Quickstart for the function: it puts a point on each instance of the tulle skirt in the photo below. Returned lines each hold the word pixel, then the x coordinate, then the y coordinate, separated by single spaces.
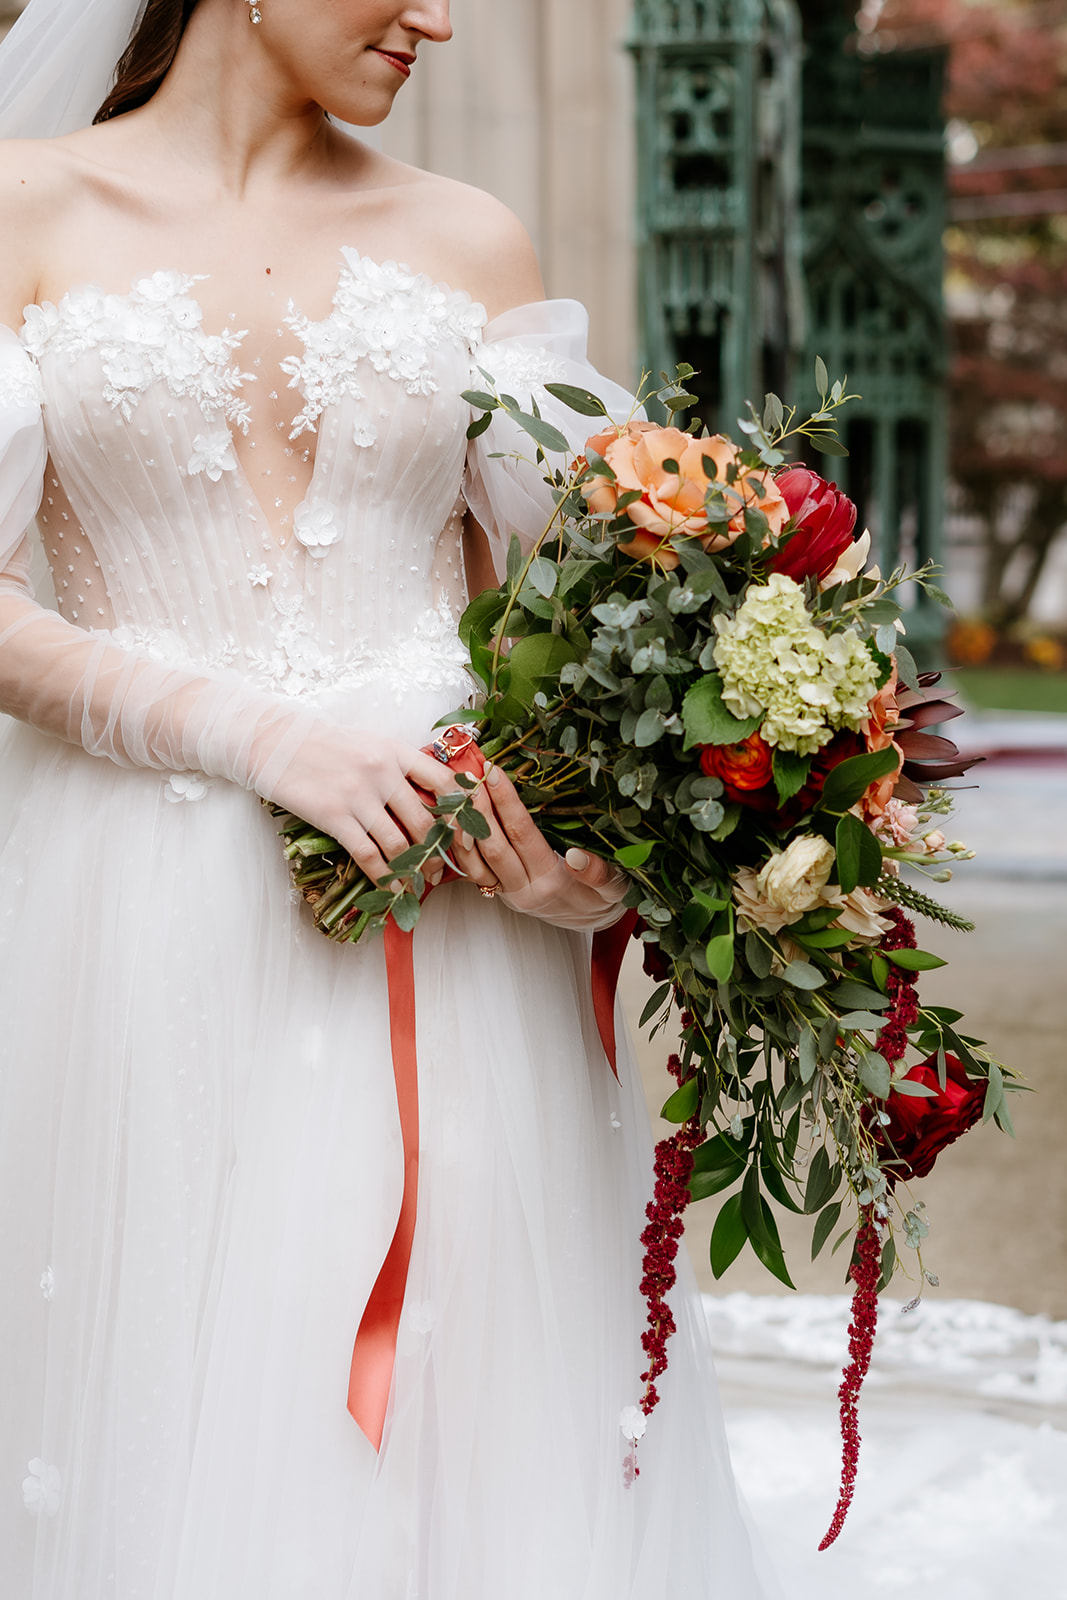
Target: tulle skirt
pixel 200 1172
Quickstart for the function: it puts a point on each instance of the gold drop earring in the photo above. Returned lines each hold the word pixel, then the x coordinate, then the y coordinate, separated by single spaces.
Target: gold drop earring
pixel 254 13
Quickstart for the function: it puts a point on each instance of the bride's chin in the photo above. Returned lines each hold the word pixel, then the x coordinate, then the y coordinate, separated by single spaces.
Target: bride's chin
pixel 368 112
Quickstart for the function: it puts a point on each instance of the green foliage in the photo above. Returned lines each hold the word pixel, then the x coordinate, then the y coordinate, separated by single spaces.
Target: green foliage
pixel 598 686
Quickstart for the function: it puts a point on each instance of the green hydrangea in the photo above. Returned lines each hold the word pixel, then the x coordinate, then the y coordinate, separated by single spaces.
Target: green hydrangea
pixel 774 659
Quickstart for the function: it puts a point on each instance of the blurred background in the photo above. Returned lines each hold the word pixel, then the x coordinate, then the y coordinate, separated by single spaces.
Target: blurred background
pixel 744 185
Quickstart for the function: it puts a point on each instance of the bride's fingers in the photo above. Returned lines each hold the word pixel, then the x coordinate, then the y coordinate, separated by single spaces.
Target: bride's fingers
pixel 431 774
pixel 604 877
pixel 515 837
pixel 361 847
pixel 411 812
pixel 468 855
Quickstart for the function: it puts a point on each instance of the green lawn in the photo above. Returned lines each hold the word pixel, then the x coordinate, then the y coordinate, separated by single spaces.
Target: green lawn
pixel 1012 689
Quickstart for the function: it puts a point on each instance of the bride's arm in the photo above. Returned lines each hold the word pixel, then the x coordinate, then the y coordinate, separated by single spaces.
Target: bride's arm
pixel 524 348
pixel 120 704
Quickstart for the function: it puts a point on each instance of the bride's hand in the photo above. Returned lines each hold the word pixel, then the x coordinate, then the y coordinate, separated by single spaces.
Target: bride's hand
pixel 578 891
pixel 359 789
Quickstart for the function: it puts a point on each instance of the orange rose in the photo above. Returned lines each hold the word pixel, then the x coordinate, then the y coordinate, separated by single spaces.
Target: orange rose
pixel 672 502
pixel 743 767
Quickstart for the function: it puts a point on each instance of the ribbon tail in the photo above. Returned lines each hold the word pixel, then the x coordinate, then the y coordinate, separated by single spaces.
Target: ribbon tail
pixel 374 1354
pixel 609 947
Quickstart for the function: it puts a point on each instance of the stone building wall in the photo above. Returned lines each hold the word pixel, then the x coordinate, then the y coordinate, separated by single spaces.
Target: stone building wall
pixel 533 101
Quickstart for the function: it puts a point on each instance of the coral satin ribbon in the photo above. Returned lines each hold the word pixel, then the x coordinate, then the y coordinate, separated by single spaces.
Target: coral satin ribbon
pixel 374 1354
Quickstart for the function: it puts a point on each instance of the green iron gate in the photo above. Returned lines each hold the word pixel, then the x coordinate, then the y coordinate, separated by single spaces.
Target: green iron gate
pixel 783 216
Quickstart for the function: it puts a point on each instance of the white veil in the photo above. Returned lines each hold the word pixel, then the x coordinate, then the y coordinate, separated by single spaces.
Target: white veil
pixel 57 63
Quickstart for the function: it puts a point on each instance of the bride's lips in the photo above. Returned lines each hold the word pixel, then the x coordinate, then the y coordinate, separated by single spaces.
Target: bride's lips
pixel 398 59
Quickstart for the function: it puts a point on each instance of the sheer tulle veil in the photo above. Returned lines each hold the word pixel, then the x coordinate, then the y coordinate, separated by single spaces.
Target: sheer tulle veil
pixel 57 63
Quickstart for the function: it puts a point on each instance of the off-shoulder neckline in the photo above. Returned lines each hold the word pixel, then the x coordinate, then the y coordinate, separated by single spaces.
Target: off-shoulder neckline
pixel 422 281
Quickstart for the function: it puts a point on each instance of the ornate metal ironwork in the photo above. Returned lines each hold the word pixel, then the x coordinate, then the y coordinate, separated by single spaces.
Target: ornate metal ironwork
pixel 731 180
pixel 718 153
pixel 873 214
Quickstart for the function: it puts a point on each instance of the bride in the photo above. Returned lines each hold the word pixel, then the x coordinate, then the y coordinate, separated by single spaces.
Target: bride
pixel 238 419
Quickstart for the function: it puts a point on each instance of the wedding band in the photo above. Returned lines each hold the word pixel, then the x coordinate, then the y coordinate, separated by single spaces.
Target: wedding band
pixel 489 890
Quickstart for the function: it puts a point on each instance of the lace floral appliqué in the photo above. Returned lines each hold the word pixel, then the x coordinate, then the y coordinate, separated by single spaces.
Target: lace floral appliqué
pixel 186 786
pixel 383 315
pixel 20 382
pixel 152 334
pixel 42 1490
pixel 213 454
pixel 431 657
pixel 519 367
pixel 315 525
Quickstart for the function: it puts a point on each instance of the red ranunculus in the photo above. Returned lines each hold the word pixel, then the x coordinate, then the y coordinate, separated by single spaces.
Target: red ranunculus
pixel 824 520
pixel 744 766
pixel 921 1127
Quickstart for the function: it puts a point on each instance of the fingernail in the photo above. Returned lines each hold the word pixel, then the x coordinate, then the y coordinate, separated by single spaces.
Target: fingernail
pixel 466 842
pixel 396 886
pixel 434 878
pixel 577 860
pixel 493 775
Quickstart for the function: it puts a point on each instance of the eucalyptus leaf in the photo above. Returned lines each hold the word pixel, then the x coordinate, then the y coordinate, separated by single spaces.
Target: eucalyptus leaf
pixel 406 912
pixel 875 1074
pixel 827 444
pixel 907 671
pixel 825 1223
pixel 480 425
pixel 479 398
pixel 853 996
pixel 650 727
pixel 581 400
pixel 543 433
pixel 543 575
pixel 802 975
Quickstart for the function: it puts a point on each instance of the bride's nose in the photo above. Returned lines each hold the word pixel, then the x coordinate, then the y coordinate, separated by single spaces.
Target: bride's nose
pixel 430 18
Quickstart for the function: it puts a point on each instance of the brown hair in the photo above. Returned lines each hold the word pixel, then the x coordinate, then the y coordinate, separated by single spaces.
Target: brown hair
pixel 148 57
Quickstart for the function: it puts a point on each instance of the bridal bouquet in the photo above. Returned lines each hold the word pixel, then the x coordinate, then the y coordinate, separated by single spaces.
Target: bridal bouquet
pixel 692 673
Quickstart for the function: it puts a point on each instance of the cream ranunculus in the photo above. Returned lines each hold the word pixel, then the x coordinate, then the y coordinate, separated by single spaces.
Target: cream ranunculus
pixel 793 879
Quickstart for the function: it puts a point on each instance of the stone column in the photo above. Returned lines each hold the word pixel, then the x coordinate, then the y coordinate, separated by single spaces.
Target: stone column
pixel 533 101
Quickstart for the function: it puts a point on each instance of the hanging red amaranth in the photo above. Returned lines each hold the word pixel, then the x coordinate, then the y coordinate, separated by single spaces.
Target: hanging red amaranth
pixel 903 1013
pixel 892 1042
pixel 865 1272
pixel 674 1168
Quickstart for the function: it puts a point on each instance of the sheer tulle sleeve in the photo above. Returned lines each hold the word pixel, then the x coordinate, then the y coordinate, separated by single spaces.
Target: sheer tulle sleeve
pixel 85 689
pixel 522 351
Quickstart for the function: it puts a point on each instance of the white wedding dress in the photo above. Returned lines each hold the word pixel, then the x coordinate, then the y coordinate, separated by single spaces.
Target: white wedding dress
pixel 200 1160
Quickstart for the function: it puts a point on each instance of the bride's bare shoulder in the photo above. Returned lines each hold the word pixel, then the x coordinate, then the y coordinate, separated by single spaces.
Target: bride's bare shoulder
pixel 40 180
pixel 476 242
